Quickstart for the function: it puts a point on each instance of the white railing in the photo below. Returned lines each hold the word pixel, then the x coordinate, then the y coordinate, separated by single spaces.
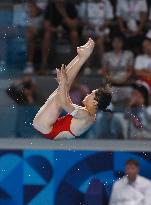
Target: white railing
pixel 78 144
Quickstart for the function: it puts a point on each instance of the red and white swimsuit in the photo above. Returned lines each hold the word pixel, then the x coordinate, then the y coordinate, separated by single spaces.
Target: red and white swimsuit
pixel 62 124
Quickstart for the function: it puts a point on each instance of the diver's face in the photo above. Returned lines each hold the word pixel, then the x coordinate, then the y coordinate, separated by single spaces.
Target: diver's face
pixel 90 98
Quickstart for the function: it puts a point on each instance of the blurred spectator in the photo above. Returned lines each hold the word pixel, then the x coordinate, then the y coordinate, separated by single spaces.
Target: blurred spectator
pixel 132 189
pixel 96 18
pixel 143 62
pixel 136 114
pixel 34 27
pixel 118 63
pixel 149 18
pixel 60 16
pixel 108 126
pixel 132 16
pixel 121 96
pixel 24 92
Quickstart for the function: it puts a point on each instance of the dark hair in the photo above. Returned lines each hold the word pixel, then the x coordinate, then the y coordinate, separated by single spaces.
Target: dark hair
pixel 103 96
pixel 119 37
pixel 132 162
pixel 143 90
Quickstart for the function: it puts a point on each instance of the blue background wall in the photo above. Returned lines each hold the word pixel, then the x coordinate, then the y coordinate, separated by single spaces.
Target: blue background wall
pixel 41 177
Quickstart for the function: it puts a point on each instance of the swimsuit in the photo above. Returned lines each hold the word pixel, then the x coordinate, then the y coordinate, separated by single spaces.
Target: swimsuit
pixel 61 124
